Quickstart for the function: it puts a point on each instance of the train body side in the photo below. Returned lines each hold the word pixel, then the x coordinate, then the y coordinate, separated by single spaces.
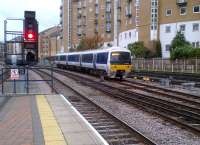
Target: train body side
pixel 104 62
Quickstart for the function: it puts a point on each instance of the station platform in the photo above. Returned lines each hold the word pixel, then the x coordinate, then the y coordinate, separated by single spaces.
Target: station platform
pixel 44 120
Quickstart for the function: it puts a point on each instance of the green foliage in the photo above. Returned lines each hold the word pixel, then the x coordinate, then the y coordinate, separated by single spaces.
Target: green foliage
pixel 182 52
pixel 195 52
pixel 181 49
pixel 82 45
pixel 137 49
pixel 89 43
pixel 179 41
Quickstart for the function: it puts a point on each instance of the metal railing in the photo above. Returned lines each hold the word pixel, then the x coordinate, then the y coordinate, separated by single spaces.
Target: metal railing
pixel 11 86
pixel 167 65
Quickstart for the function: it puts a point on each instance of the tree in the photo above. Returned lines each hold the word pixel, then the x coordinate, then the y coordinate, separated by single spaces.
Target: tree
pixel 89 43
pixel 179 41
pixel 180 48
pixel 137 49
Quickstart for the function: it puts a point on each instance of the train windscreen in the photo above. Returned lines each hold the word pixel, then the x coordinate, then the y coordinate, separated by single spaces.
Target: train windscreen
pixel 120 58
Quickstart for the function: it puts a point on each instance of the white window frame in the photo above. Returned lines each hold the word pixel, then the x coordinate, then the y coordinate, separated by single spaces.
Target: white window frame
pixel 194 7
pixel 185 11
pixel 166 14
pixel 167 47
pixel 197 44
pixel 184 27
pixel 193 27
pixel 168 29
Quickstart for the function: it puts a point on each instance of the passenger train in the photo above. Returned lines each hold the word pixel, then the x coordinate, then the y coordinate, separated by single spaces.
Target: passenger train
pixel 114 62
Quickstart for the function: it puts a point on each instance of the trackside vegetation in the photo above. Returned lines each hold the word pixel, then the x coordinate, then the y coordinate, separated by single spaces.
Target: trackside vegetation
pixel 182 49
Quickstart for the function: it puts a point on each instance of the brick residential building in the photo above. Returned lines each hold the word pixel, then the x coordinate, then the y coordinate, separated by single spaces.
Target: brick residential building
pixel 49 42
pixel 121 22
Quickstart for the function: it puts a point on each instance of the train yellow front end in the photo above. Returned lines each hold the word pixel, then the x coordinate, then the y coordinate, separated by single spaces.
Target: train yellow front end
pixel 120 70
pixel 120 64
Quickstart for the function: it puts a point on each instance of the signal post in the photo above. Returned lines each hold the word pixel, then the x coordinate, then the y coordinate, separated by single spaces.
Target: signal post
pixel 30 38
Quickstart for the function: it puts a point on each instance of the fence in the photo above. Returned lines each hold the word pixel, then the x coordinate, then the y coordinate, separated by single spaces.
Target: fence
pixel 24 84
pixel 167 65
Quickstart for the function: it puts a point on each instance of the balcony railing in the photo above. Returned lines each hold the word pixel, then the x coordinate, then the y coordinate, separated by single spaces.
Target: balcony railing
pixel 128 12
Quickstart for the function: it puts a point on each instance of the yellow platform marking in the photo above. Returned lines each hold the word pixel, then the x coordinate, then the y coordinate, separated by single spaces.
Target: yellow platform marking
pixel 51 130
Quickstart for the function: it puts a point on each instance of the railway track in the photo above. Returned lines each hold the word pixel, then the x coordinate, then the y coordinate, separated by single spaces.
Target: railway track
pixel 114 131
pixel 185 98
pixel 176 78
pixel 183 115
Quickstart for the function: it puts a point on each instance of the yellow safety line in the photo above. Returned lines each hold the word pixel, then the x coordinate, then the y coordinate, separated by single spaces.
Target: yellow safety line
pixel 51 130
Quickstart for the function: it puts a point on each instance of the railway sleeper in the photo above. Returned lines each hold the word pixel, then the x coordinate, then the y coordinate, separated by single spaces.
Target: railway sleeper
pixel 94 123
pixel 101 127
pixel 112 131
pixel 118 136
pixel 98 120
pixel 126 141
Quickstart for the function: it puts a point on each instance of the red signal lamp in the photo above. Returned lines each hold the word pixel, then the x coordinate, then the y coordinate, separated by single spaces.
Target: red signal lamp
pixel 30 36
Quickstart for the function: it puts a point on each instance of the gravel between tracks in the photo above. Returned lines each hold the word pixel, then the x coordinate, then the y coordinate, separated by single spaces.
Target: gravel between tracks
pixel 164 133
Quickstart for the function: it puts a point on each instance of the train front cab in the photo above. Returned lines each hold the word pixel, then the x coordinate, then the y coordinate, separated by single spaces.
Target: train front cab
pixel 119 64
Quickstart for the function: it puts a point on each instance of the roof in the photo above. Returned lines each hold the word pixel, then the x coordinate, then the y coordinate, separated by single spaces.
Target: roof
pixel 114 48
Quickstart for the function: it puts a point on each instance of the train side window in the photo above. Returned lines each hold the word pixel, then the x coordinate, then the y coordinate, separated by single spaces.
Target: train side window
pixel 102 58
pixel 63 58
pixel 87 58
pixel 73 58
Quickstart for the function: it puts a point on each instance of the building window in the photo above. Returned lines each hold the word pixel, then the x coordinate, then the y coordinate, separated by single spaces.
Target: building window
pixel 167 29
pixel 196 9
pixel 182 28
pixel 183 11
pixel 196 27
pixel 193 44
pixel 167 47
pixel 197 45
pixel 108 27
pixel 168 12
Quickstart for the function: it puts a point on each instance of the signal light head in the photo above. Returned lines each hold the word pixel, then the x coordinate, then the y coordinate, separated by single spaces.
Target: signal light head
pixel 30 36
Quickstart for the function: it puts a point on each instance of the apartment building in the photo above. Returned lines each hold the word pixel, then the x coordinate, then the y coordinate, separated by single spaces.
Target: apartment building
pixel 86 18
pixel 1 51
pixel 180 15
pixel 121 22
pixel 49 42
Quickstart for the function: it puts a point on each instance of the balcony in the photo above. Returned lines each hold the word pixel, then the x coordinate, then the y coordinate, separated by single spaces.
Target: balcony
pixel 96 2
pixel 79 15
pixel 96 21
pixel 119 4
pixel 108 10
pixel 118 17
pixel 181 3
pixel 128 12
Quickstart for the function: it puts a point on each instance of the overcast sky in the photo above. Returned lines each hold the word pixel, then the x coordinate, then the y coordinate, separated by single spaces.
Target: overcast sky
pixel 47 12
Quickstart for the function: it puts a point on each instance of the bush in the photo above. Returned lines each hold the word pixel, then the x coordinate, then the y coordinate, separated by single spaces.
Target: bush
pixel 182 49
pixel 137 49
pixel 195 52
pixel 179 41
pixel 89 43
